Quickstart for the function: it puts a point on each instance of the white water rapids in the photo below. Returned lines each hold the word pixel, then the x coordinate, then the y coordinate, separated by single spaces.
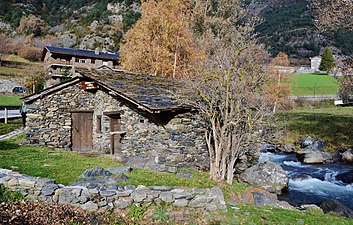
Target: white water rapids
pixel 312 184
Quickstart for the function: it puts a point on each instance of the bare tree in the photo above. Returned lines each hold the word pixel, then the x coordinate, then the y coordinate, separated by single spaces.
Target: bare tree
pixel 333 14
pixel 229 94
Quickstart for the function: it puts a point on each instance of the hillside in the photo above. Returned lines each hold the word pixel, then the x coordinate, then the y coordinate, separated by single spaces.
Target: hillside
pixel 287 25
pixel 83 24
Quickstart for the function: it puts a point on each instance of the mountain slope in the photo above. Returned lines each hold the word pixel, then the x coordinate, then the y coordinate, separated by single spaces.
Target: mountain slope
pixel 287 25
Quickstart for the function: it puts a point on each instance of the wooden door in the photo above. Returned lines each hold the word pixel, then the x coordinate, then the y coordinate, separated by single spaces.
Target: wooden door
pixel 115 135
pixel 82 127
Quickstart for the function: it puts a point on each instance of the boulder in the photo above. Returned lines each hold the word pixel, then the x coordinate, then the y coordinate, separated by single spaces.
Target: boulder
pixel 346 177
pixel 200 201
pixel 96 172
pixel 268 175
pixel 267 147
pixel 120 178
pixel 90 206
pixel 123 203
pixel 167 197
pixel 260 197
pixel 313 157
pixel 180 202
pixel 119 170
pixel 347 156
pixel 306 142
pixel 49 189
pixel 318 145
pixel 335 207
pixel 287 148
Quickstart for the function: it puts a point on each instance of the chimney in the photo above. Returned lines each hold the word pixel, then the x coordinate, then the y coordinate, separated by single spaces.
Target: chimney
pixel 96 51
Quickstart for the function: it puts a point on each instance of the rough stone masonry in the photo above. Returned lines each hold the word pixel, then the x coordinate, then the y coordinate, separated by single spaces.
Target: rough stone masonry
pixel 104 194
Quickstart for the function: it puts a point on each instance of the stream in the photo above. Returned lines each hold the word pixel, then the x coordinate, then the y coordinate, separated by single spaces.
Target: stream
pixel 312 184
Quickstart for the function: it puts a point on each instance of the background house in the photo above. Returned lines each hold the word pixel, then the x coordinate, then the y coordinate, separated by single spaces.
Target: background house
pixel 63 62
pixel 134 117
pixel 312 68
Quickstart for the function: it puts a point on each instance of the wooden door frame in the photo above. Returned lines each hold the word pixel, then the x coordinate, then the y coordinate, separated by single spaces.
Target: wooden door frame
pixel 89 130
pixel 114 133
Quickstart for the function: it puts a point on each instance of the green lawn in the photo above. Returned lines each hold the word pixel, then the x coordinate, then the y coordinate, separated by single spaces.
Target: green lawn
pixel 10 101
pixel 332 124
pixel 63 166
pixel 313 84
pixel 10 126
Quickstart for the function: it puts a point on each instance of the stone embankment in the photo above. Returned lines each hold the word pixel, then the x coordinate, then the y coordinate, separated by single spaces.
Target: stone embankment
pixel 102 193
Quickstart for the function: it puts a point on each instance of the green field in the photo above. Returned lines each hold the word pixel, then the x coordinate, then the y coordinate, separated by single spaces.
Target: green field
pixel 332 124
pixel 10 101
pixel 313 84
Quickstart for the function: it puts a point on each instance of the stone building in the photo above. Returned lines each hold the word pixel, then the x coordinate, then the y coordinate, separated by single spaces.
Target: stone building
pixel 61 63
pixel 131 116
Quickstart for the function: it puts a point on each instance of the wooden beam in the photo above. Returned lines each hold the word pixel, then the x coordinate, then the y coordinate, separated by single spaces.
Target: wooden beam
pixel 79 111
pixel 114 113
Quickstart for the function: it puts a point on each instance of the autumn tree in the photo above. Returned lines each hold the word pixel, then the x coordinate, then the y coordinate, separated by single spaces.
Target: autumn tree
pixel 229 93
pixel 33 25
pixel 35 78
pixel 327 61
pixel 160 43
pixel 278 86
pixel 4 46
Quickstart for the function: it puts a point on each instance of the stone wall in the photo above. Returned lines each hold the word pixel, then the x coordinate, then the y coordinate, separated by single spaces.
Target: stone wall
pixel 147 142
pixel 109 196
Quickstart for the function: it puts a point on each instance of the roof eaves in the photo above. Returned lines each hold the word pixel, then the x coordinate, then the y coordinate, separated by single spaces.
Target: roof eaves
pixel 33 97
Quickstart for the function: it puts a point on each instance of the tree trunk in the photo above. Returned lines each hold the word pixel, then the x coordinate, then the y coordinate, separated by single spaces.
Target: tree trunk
pixel 175 64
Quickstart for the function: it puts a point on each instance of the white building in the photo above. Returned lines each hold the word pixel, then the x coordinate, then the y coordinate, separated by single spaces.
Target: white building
pixel 315 63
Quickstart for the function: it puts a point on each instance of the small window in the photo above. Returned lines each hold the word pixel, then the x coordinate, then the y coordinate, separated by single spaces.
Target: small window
pixel 82 61
pixel 77 60
pixel 142 120
pixel 99 124
pixel 93 61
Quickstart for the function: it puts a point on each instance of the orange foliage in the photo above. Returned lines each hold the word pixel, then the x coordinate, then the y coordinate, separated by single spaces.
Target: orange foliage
pixel 279 86
pixel 33 25
pixel 161 42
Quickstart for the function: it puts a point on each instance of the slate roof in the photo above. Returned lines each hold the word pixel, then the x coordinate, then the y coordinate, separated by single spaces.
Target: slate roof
pixel 152 93
pixel 149 93
pixel 109 55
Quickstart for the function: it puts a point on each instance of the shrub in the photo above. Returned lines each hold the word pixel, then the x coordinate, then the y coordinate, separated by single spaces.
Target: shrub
pixel 30 53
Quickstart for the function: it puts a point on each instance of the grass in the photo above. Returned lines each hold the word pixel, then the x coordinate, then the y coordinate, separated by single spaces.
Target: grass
pixel 10 101
pixel 332 124
pixel 63 166
pixel 15 58
pixel 313 84
pixel 249 214
pixel 16 67
pixel 10 71
pixel 11 126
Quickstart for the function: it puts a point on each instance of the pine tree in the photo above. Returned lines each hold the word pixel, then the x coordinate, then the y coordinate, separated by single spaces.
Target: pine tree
pixel 327 61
